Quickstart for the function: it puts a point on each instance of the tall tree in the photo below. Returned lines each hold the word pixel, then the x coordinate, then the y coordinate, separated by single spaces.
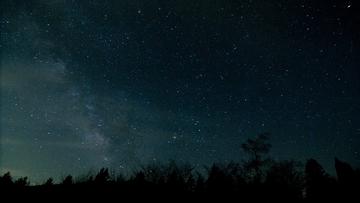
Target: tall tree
pixel 257 149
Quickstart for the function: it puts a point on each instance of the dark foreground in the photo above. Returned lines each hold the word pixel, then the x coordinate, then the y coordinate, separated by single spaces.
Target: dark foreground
pixel 278 181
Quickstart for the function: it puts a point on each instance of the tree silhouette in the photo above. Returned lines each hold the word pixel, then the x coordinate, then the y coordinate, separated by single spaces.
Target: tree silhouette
pixel 200 184
pixel 269 180
pixel 344 171
pixel 319 184
pixel 22 182
pixel 6 179
pixel 68 180
pixel 257 148
pixel 102 177
pixel 348 182
pixel 218 180
pixel 49 182
pixel 284 180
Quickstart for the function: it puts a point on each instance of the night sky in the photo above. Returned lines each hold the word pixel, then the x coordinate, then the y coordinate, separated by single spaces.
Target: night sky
pixel 121 83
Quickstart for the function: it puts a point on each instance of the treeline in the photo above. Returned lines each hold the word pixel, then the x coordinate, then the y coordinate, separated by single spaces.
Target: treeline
pixel 258 178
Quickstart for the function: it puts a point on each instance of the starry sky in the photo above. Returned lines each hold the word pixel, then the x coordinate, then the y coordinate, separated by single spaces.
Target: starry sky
pixel 121 83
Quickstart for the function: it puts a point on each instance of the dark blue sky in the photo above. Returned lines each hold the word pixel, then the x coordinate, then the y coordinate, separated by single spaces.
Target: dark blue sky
pixel 86 84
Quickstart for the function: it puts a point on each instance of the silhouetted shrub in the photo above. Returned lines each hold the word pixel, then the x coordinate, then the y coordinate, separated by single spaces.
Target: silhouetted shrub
pixel 68 180
pixel 49 182
pixel 22 182
pixel 6 180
